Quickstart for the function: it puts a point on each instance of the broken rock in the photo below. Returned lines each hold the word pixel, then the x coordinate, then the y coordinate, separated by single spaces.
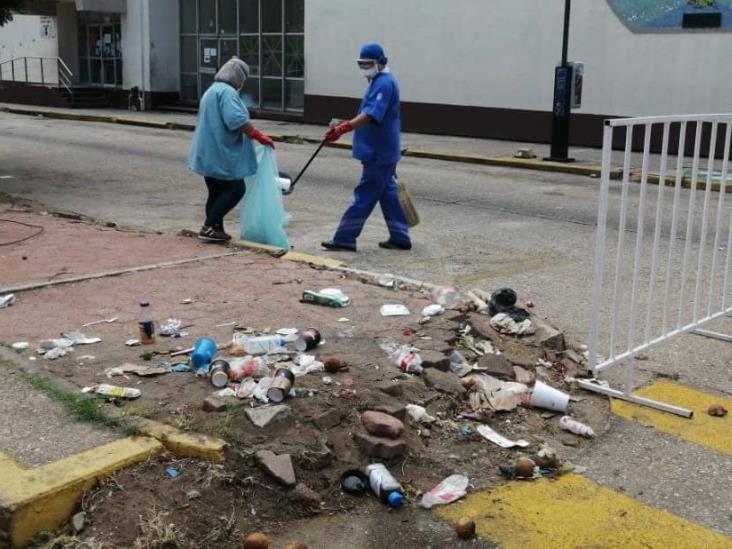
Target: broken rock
pixel 497 366
pixel 443 382
pixel 279 467
pixel 214 404
pixel 78 522
pixel 377 447
pixel 435 359
pixel 381 424
pixel 391 388
pixel 328 419
pixel 305 496
pixel 263 416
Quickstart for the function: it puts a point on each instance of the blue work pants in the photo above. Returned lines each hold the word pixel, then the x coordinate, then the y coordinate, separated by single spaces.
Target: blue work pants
pixel 377 185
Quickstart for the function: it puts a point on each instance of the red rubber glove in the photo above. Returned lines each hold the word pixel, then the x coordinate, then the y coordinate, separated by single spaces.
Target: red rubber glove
pixel 257 135
pixel 334 134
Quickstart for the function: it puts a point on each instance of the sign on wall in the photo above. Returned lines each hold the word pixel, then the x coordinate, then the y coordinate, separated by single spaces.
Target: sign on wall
pixel 48 27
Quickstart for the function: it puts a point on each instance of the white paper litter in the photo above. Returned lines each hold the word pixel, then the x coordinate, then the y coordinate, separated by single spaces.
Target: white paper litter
pixel 77 338
pixel 433 310
pixel 20 346
pixel 394 309
pixel 419 414
pixel 7 300
pixel 497 438
pixel 504 324
pixel 451 489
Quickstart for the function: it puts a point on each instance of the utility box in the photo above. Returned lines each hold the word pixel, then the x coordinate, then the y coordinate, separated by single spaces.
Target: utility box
pixel 578 71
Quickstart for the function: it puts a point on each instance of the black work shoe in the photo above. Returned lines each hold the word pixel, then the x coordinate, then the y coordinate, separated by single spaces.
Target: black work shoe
pixel 335 247
pixel 209 234
pixel 389 245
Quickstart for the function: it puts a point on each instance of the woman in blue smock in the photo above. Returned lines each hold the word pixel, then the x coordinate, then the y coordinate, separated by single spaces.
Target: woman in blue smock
pixel 376 145
pixel 222 150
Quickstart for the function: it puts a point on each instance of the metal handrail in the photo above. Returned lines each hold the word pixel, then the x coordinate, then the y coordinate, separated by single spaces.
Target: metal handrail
pixel 63 72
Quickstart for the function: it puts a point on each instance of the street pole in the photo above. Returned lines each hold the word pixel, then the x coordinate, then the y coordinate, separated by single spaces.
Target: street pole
pixel 561 109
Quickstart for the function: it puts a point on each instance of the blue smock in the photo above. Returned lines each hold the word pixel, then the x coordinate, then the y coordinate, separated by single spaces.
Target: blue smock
pixel 379 142
pixel 219 148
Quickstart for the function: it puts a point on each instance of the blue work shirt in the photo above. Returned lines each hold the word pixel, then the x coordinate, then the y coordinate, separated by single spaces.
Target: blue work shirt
pixel 379 142
pixel 219 148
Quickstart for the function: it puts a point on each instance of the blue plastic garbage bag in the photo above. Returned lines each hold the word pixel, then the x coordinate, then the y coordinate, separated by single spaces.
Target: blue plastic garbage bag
pixel 263 217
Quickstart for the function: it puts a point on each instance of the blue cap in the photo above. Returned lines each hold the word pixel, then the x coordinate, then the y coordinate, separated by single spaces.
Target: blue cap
pixel 395 499
pixel 373 52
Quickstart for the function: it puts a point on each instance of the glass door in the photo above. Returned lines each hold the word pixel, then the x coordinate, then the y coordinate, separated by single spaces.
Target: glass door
pixel 100 50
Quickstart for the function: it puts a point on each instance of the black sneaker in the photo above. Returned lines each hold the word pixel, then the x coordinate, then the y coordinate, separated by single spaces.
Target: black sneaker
pixel 336 247
pixel 389 245
pixel 209 234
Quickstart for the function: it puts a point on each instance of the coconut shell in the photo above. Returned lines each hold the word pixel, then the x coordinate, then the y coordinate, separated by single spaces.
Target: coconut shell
pixel 465 528
pixel 525 467
pixel 257 540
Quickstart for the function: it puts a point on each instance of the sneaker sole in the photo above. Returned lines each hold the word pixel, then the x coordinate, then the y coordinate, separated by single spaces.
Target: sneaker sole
pixel 212 239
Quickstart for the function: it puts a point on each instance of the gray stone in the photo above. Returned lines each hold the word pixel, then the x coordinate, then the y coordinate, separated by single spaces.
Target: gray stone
pixel 377 447
pixel 264 415
pixel 193 494
pixel 214 404
pixel 78 522
pixel 568 441
pixel 328 419
pixel 435 359
pixel 382 425
pixel 279 467
pixel 391 388
pixel 497 366
pixel 305 496
pixel 396 409
pixel 443 382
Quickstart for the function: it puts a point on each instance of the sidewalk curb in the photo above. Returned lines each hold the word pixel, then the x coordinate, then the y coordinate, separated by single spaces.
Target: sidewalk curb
pixel 43 498
pixel 297 257
pixel 181 443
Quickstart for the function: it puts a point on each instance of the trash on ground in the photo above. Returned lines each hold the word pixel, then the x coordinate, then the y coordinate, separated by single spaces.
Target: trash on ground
pixel 218 373
pixel 204 349
pixel 7 300
pixel 450 489
pixel 394 309
pixel 403 356
pixel 354 482
pixel 329 297
pixel 146 324
pixel 171 327
pixel 248 366
pixel 447 296
pixel 386 280
pixel 77 338
pixel 142 371
pixel 546 396
pixel 309 339
pixel 384 485
pixel 281 385
pixel 56 352
pixel 180 367
pixel 333 365
pixel 717 410
pixel 172 472
pixel 287 332
pixel 546 457
pixel 306 364
pixel 225 393
pixel 419 414
pixel 521 468
pixel 344 319
pixel 19 346
pixel 433 310
pixel 465 528
pixel 576 427
pixel 113 391
pixel 500 440
pixel 488 392
pixel 103 321
pixel 504 324
pixel 133 342
pixel 188 301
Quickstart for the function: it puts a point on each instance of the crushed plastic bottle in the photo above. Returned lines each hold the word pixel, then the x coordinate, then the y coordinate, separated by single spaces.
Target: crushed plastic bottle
pixel 246 367
pixel 458 364
pixel 403 356
pixel 447 296
pixel 384 485
pixel 263 345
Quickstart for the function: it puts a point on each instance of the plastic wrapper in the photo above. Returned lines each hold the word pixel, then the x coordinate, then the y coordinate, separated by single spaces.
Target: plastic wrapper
pixel 113 391
pixel 451 489
pixel 263 217
pixel 576 427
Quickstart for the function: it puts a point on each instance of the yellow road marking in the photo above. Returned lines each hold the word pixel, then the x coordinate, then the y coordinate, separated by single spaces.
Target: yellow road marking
pixel 703 429
pixel 575 512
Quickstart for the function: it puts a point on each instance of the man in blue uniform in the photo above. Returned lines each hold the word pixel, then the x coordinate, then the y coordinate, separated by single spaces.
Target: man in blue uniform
pixel 376 144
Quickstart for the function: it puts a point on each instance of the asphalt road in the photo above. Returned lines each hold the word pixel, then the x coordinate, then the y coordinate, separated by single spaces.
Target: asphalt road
pixel 483 227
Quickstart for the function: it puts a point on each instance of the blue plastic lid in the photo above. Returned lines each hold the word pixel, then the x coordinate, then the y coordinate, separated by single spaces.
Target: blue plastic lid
pixel 395 499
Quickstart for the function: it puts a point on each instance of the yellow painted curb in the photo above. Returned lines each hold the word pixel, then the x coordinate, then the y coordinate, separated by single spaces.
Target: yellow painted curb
pixel 575 512
pixel 182 443
pixel 702 429
pixel 313 260
pixel 257 247
pixel 546 166
pixel 43 498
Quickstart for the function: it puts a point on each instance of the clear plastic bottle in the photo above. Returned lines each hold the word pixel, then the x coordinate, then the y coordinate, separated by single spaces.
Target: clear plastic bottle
pixel 263 345
pixel 403 356
pixel 447 296
pixel 146 324
pixel 247 367
pixel 384 485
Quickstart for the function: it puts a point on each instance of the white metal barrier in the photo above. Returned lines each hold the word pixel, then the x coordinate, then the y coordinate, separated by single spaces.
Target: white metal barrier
pixel 677 280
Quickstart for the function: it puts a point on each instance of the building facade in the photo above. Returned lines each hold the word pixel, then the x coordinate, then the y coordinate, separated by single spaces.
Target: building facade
pixel 471 68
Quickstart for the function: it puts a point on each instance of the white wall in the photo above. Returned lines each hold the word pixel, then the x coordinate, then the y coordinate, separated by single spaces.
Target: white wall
pixel 22 38
pixel 68 37
pixel 502 54
pixel 135 70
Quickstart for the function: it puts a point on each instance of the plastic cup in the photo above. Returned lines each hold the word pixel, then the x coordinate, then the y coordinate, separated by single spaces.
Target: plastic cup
pixel 545 396
pixel 204 349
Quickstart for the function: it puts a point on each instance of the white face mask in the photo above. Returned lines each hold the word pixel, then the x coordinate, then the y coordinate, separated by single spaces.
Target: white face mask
pixel 370 73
